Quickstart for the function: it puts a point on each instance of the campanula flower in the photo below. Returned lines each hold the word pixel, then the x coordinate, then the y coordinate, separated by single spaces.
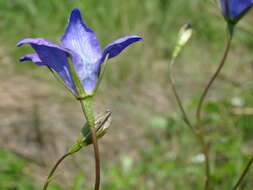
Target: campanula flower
pixel 78 43
pixel 234 10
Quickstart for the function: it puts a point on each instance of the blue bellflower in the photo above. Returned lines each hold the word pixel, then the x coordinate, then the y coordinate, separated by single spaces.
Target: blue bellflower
pixel 78 43
pixel 234 10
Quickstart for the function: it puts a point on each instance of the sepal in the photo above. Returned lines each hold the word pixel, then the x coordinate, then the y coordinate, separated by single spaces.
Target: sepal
pixel 102 123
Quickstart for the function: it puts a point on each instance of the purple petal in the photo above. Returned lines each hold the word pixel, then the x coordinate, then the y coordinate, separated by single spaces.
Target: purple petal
pixel 32 57
pixel 81 40
pixel 236 8
pixel 87 73
pixel 51 55
pixel 114 48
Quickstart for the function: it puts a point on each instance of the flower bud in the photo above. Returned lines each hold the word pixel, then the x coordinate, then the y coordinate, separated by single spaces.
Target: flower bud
pixel 184 35
pixel 102 123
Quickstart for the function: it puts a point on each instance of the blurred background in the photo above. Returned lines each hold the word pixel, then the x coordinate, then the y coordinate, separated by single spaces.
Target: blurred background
pixel 148 145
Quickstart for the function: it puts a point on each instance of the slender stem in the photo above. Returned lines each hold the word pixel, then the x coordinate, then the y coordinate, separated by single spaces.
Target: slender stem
pixel 207 168
pixel 179 102
pixel 199 129
pixel 198 133
pixel 87 110
pixel 207 88
pixel 97 158
pixel 205 151
pixel 243 174
pixel 53 170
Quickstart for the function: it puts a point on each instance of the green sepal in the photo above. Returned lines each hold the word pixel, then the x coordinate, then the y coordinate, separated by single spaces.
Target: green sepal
pixel 77 146
pixel 102 123
pixel 101 74
pixel 231 27
pixel 76 81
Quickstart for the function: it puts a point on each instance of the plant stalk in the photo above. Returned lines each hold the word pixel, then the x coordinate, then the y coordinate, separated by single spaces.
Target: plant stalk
pixel 199 135
pixel 208 86
pixel 199 129
pixel 53 170
pixel 86 104
pixel 245 171
pixel 179 102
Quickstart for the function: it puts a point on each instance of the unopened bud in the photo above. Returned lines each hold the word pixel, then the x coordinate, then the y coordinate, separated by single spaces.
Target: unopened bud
pixel 184 35
pixel 102 123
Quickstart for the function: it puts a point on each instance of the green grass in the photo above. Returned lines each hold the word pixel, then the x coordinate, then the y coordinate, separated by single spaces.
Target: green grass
pixel 172 159
pixel 12 173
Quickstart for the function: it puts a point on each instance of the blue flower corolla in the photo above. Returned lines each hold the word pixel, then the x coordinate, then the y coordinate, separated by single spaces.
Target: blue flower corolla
pixel 78 43
pixel 234 10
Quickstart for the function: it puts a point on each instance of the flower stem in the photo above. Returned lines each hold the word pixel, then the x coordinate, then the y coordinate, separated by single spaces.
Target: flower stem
pixel 205 151
pixel 243 174
pixel 179 102
pixel 199 129
pixel 53 170
pixel 207 88
pixel 199 135
pixel 86 104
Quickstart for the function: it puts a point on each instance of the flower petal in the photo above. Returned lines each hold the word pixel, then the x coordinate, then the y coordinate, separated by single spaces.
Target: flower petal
pixel 81 40
pixel 236 8
pixel 87 73
pixel 32 57
pixel 51 55
pixel 114 48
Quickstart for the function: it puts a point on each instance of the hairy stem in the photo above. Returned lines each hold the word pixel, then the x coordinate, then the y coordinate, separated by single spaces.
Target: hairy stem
pixel 88 112
pixel 245 171
pixel 54 169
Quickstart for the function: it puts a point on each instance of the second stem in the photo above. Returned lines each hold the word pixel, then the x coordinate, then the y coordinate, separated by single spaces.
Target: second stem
pixel 199 128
